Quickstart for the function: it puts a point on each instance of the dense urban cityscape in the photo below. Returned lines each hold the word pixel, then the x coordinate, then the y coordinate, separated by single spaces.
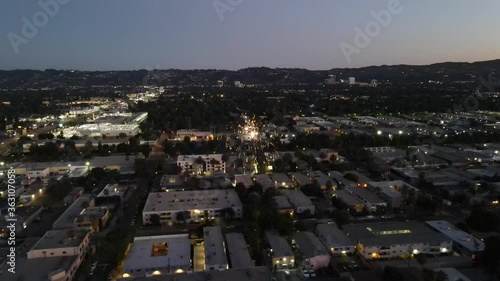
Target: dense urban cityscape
pixel 249 150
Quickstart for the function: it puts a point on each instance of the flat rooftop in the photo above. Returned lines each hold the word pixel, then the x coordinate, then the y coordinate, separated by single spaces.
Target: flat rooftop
pixel 264 180
pixel 309 245
pixel 238 251
pixel 36 269
pixel 282 202
pixel 142 256
pixel 319 177
pixel 297 198
pixel 192 200
pixel 93 213
pixel 281 179
pixel 333 235
pixel 367 195
pixel 54 239
pixel 346 197
pixel 361 178
pixel 391 233
pixel 279 245
pixel 171 180
pixel 73 211
pixel 302 179
pixel 246 180
pixel 458 236
pixel 215 253
pixel 112 190
pixel 261 273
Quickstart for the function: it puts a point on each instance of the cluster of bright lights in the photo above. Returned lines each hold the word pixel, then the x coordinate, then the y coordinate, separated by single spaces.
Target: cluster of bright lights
pixel 250 129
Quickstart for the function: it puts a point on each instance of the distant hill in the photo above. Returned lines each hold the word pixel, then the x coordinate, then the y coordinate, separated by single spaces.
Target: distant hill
pixel 446 72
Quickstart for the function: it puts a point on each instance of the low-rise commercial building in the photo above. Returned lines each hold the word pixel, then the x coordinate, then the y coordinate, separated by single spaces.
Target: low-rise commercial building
pixel 194 205
pixel 336 241
pixel 383 240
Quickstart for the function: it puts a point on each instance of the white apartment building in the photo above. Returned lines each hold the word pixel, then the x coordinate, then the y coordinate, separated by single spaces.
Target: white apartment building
pixel 201 205
pixel 384 240
pixel 201 164
pixel 61 243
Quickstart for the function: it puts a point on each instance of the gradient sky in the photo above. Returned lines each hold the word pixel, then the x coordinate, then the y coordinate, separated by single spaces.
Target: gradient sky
pixel 187 34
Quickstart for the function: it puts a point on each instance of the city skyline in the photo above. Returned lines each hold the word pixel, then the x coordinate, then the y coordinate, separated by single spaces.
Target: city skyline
pixel 234 35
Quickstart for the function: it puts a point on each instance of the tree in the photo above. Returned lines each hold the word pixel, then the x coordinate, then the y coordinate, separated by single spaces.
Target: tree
pixel 421 259
pixel 329 184
pixel 333 157
pixel 392 274
pixel 88 149
pixel 287 158
pixel 341 217
pixel 228 214
pixel 154 219
pixel 491 255
pixel 58 190
pixel 85 205
pixel 352 177
pixel 182 216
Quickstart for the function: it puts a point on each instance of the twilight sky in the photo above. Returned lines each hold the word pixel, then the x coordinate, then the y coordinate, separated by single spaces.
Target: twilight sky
pixel 139 34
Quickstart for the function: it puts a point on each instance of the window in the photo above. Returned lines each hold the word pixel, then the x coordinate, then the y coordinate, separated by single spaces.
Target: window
pixel 64 252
